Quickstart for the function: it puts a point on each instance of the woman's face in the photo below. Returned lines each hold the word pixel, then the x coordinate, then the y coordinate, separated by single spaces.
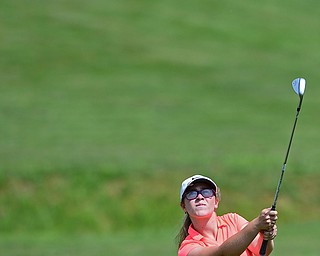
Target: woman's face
pixel 201 206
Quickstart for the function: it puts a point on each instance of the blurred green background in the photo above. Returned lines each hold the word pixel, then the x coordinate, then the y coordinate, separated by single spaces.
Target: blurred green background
pixel 106 106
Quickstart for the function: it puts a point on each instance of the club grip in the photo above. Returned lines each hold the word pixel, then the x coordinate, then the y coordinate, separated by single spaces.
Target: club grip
pixel 263 248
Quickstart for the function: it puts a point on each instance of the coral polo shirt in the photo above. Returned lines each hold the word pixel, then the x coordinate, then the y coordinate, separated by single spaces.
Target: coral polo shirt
pixel 228 225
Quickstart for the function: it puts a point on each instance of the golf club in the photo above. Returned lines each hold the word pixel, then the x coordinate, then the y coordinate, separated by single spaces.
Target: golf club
pixel 299 86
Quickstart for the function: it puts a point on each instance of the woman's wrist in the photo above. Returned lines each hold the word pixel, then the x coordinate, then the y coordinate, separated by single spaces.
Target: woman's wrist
pixel 270 234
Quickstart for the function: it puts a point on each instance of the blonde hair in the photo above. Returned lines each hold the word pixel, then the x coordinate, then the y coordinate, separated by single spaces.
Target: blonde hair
pixel 183 233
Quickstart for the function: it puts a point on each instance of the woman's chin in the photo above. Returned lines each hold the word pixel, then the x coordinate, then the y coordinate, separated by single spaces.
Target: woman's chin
pixel 203 214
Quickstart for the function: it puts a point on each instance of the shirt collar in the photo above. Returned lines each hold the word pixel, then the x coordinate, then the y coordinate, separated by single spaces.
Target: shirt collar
pixel 194 234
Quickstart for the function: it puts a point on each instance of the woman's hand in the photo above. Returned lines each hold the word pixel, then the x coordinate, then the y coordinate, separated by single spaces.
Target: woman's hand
pixel 271 233
pixel 267 220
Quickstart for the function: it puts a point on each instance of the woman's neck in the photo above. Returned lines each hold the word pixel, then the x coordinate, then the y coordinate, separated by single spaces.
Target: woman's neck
pixel 206 226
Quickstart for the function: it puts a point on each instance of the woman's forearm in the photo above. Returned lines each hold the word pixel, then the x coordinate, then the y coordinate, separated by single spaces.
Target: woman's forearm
pixel 239 242
pixel 235 245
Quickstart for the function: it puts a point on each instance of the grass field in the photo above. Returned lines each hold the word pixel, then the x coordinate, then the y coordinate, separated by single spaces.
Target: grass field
pixel 106 106
pixel 289 242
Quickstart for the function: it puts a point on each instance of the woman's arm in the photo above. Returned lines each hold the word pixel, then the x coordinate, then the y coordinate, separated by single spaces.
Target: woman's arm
pixel 238 243
pixel 257 242
pixel 268 234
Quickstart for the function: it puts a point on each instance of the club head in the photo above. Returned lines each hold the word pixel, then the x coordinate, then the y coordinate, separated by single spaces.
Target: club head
pixel 299 86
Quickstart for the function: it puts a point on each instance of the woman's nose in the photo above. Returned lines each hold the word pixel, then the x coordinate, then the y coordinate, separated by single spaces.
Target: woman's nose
pixel 199 197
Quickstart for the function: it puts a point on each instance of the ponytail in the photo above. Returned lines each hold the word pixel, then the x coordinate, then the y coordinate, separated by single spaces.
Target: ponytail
pixel 184 230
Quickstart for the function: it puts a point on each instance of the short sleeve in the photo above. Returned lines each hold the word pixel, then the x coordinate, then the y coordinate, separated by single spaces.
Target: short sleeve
pixel 187 246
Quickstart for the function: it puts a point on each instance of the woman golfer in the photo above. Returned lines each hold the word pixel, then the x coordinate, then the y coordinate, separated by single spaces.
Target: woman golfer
pixel 206 234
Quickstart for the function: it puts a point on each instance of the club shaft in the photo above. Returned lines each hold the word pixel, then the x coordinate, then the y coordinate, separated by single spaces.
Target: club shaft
pixel 264 245
pixel 286 157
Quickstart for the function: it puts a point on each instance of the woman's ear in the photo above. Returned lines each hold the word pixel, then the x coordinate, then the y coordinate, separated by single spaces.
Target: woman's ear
pixel 216 204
